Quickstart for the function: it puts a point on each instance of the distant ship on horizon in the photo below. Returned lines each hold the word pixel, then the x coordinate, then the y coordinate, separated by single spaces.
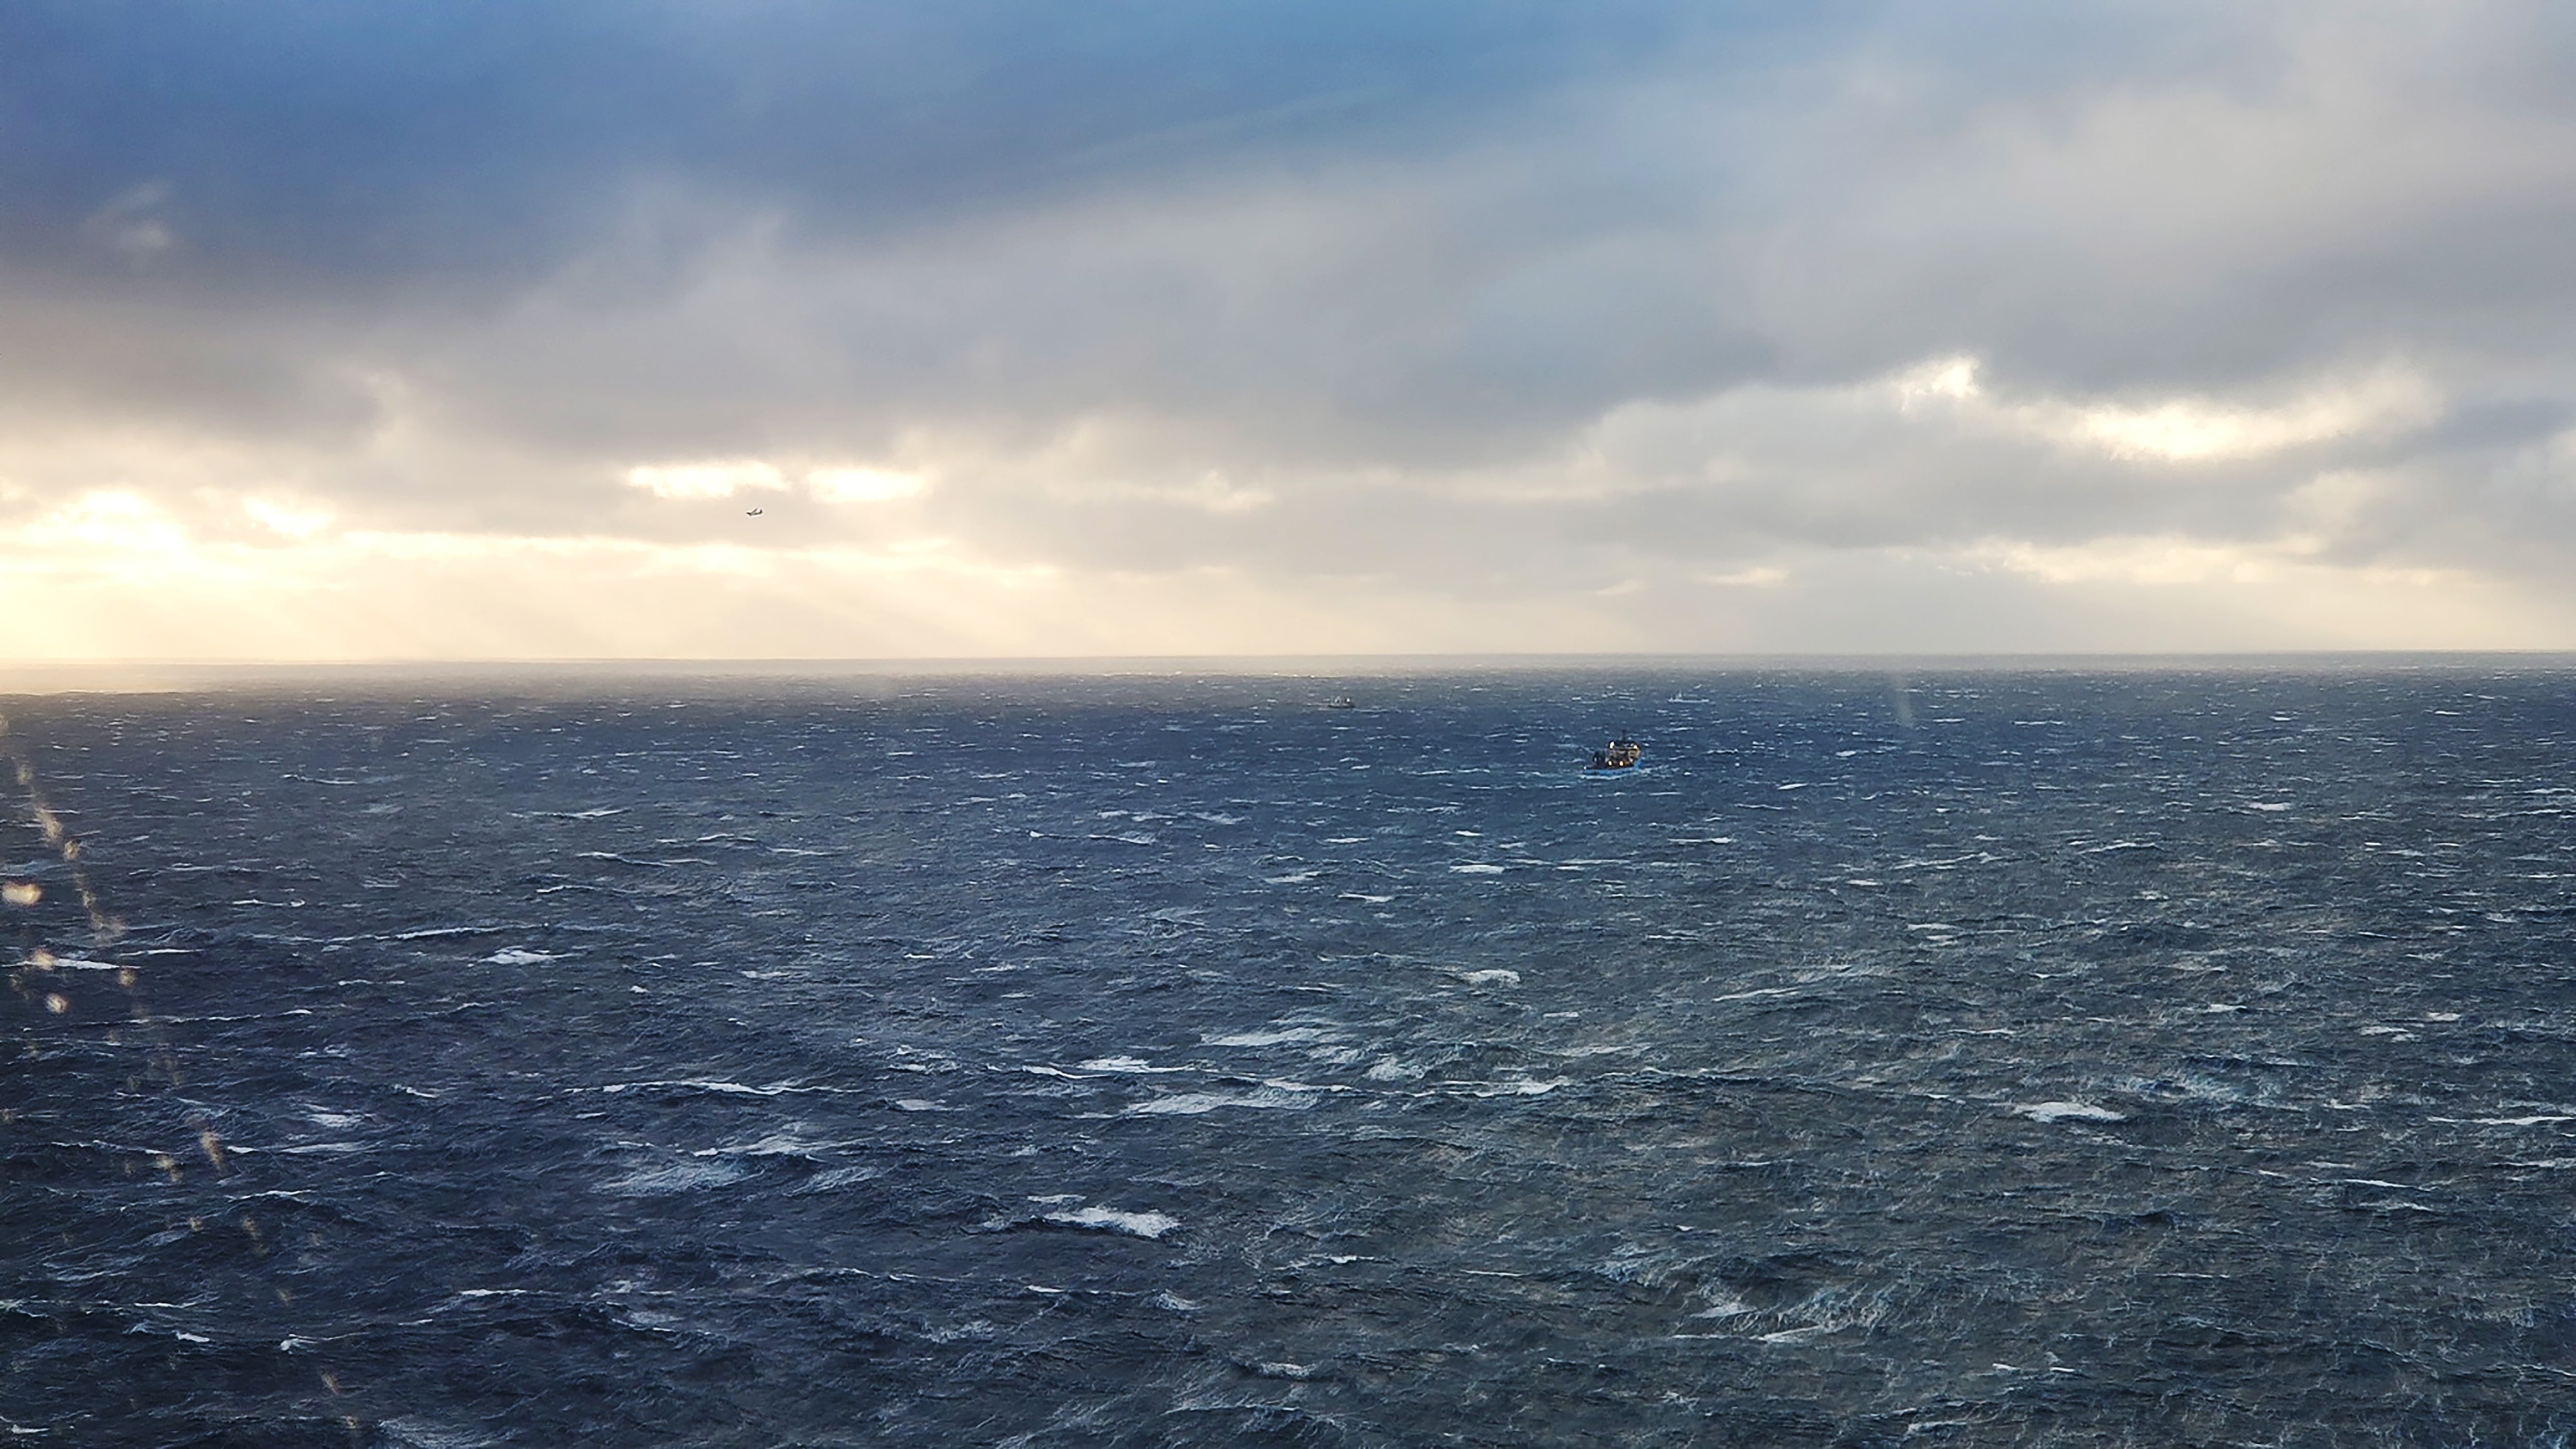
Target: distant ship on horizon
pixel 1622 754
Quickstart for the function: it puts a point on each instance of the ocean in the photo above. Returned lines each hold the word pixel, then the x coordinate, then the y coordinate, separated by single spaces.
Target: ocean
pixel 2006 1056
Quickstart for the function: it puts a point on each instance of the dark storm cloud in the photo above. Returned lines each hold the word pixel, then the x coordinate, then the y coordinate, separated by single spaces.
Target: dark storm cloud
pixel 247 198
pixel 308 140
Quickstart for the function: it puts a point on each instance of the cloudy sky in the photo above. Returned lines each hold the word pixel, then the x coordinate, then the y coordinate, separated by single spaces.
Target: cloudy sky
pixel 478 328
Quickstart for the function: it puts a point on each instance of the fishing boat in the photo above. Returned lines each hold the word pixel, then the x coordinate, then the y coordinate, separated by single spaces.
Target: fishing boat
pixel 1622 754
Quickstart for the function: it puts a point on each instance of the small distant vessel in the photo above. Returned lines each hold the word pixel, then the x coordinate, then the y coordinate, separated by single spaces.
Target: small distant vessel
pixel 1623 754
pixel 1340 702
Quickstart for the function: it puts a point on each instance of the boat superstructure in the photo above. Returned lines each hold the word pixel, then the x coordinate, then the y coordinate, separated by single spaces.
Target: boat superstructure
pixel 1622 754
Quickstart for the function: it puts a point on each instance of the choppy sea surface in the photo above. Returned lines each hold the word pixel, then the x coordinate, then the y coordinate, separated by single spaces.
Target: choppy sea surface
pixel 1999 1058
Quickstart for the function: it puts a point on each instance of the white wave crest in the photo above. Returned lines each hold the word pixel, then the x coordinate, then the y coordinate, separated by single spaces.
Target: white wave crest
pixel 1111 1220
pixel 2068 1112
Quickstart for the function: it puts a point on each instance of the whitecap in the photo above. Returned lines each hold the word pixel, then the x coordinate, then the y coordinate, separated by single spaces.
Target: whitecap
pixel 1476 868
pixel 1285 1036
pixel 415 1433
pixel 839 1177
pixel 776 1144
pixel 728 1089
pixel 1523 1088
pixel 1125 1064
pixel 2068 1112
pixel 1494 976
pixel 1111 1220
pixel 678 1177
pixel 520 956
pixel 1193 1104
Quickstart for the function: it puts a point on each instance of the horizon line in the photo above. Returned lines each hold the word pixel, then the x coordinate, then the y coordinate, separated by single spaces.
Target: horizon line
pixel 166 675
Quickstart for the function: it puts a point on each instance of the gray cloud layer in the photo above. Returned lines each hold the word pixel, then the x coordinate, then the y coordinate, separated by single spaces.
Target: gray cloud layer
pixel 1895 325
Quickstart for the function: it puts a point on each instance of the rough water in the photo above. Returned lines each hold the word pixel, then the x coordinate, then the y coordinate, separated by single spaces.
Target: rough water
pixel 2153 1057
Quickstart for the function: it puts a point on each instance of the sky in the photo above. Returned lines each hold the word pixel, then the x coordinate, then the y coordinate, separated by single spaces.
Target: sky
pixel 549 329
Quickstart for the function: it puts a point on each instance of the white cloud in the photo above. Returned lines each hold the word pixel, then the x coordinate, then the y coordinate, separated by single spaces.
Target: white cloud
pixel 864 485
pixel 1211 492
pixel 2164 561
pixel 1764 576
pixel 297 523
pixel 113 522
pixel 131 223
pixel 2187 429
pixel 714 479
pixel 2192 429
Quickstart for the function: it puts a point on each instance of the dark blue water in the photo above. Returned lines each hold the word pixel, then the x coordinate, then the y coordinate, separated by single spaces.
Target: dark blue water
pixel 2038 1058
